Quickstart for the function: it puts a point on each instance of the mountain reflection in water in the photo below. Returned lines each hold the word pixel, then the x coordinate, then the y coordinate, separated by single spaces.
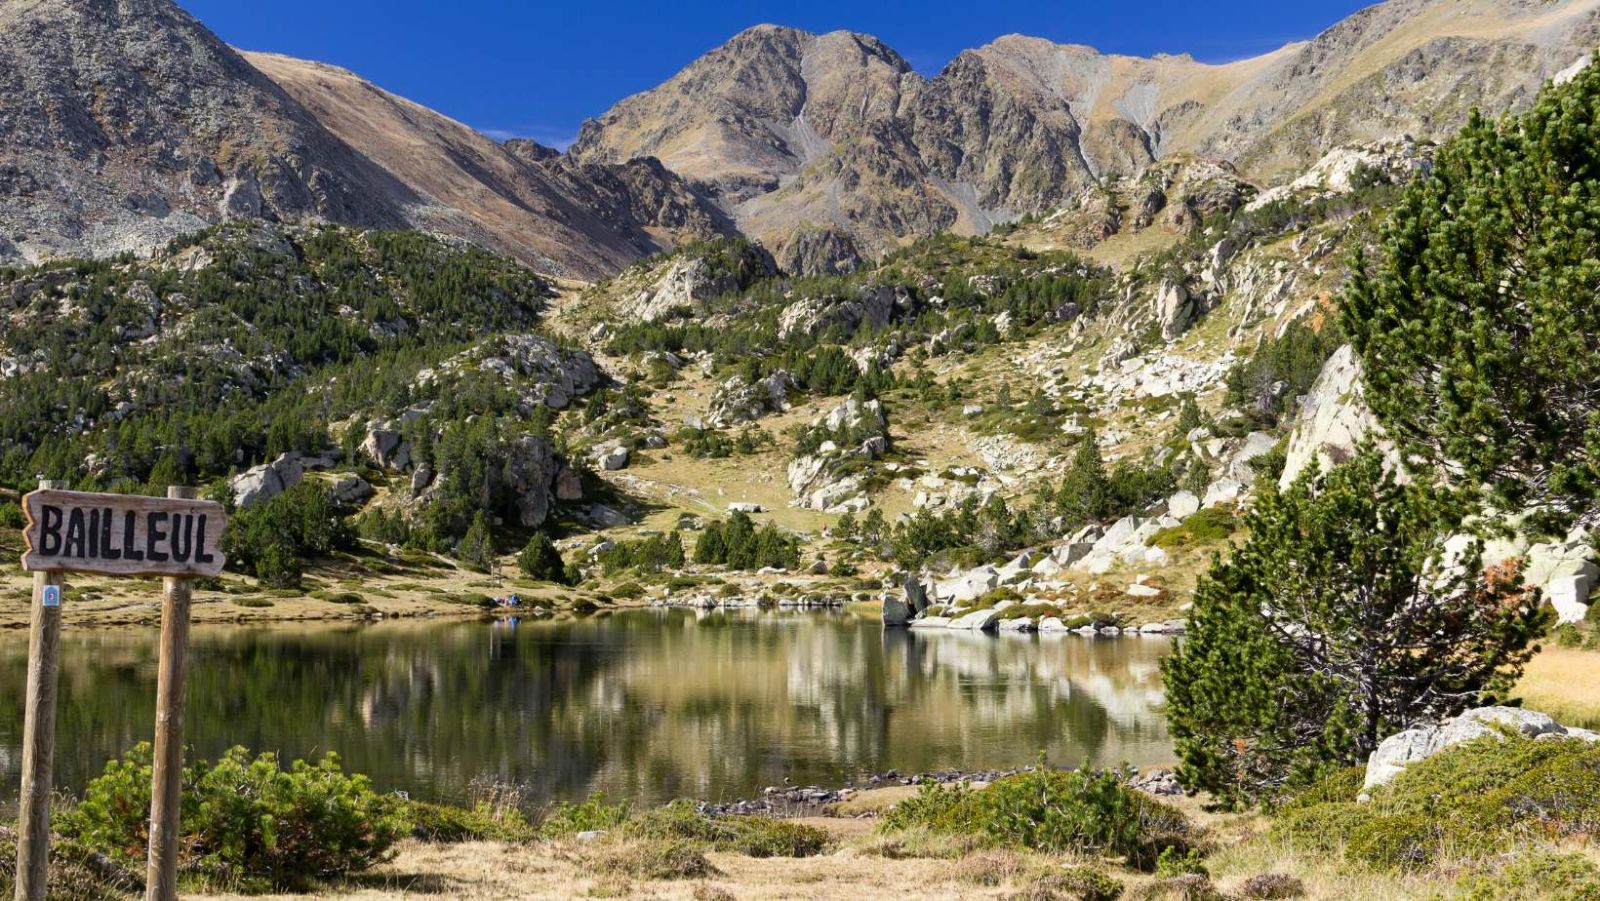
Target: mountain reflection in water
pixel 645 705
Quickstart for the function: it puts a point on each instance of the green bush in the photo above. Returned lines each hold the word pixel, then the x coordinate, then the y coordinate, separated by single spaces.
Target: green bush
pixel 541 560
pixel 1213 524
pixel 273 540
pixel 1396 841
pixel 593 814
pixel 245 822
pixel 1471 801
pixel 753 836
pixel 1535 876
pixel 446 823
pixel 1172 863
pixel 338 597
pixel 1077 811
pixel 252 602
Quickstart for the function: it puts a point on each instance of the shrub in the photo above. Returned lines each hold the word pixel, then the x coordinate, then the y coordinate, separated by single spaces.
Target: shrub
pixel 246 822
pixel 1210 525
pixel 338 597
pixel 1171 863
pixel 252 602
pixel 1396 842
pixel 593 814
pixel 272 540
pixel 1470 801
pixel 1077 811
pixel 655 859
pixel 1180 888
pixel 541 560
pixel 754 836
pixel 483 822
pixel 1272 887
pixel 1069 884
pixel 1535 876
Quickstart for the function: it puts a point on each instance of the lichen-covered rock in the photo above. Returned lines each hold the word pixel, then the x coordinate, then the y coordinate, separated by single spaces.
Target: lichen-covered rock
pixel 260 484
pixel 869 305
pixel 1402 749
pixel 820 251
pixel 537 370
pixel 1333 418
pixel 737 399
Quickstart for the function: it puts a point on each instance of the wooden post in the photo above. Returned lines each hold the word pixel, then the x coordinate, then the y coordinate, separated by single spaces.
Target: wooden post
pixel 161 872
pixel 39 734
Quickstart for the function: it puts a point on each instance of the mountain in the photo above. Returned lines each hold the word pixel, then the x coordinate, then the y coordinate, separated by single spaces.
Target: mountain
pixel 795 130
pixel 528 203
pixel 124 123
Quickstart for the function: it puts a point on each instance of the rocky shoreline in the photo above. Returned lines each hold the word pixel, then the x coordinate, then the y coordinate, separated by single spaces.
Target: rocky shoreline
pixel 788 801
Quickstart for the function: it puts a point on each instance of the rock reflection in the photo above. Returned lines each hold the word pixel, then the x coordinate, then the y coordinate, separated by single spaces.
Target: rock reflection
pixel 646 705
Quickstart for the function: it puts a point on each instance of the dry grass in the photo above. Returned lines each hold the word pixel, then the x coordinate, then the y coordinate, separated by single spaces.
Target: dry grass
pixel 1565 683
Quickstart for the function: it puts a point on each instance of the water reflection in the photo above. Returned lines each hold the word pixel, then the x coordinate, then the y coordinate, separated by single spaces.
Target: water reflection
pixel 647 705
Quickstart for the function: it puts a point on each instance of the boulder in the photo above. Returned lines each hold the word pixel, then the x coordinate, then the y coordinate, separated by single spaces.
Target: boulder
pixel 387 448
pixel 1017 624
pixel 568 486
pixel 1566 573
pixel 530 470
pixel 743 507
pixel 1183 505
pixel 612 458
pixel 350 490
pixel 260 484
pixel 931 622
pixel 1402 749
pixel 1333 417
pixel 1120 535
pixel 1255 444
pixel 869 305
pixel 1175 310
pixel 916 595
pixel 737 399
pixel 1052 624
pixel 820 251
pixel 1223 491
pixel 976 621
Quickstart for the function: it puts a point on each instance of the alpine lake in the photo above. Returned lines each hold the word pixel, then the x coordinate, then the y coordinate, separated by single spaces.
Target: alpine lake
pixel 645 705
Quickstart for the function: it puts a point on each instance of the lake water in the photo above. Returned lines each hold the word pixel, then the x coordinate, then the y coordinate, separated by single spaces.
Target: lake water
pixel 647 705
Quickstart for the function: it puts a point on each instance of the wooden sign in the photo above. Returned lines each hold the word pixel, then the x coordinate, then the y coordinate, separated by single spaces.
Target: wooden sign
pixel 122 534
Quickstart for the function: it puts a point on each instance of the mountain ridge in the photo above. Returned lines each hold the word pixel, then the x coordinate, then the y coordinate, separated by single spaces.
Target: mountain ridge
pixel 824 147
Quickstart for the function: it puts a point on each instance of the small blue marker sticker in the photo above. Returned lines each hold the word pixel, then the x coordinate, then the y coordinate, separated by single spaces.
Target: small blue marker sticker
pixel 52 595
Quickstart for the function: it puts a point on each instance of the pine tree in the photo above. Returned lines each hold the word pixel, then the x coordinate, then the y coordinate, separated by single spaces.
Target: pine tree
pixel 476 550
pixel 541 560
pixel 1085 493
pixel 1336 624
pixel 1477 326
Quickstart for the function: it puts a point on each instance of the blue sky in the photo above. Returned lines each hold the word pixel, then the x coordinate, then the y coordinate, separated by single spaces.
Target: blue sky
pixel 539 69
